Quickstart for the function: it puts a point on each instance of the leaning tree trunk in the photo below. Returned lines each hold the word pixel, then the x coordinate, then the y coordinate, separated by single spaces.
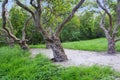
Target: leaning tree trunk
pixel 23 45
pixel 47 45
pixel 58 51
pixel 111 47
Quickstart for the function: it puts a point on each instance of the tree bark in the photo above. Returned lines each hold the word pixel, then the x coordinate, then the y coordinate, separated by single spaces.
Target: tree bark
pixel 23 45
pixel 10 41
pixel 58 51
pixel 47 45
pixel 111 47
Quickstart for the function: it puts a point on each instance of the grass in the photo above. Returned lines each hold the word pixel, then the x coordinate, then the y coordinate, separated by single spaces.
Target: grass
pixel 16 64
pixel 37 46
pixel 88 45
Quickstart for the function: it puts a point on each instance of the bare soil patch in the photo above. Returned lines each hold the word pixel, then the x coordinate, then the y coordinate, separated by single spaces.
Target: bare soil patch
pixel 77 57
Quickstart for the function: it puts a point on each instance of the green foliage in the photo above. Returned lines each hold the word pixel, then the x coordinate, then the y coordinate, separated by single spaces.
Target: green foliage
pixel 85 26
pixel 16 64
pixel 2 35
pixel 55 12
pixel 71 30
pixel 18 19
pixel 88 73
pixel 99 44
pixel 89 27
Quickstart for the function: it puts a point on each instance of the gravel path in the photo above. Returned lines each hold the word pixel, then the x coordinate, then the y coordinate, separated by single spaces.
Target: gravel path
pixel 77 57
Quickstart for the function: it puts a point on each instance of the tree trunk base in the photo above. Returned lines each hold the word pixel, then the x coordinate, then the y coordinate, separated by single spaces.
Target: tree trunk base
pixel 23 45
pixel 47 45
pixel 111 51
pixel 58 51
pixel 111 47
pixel 56 60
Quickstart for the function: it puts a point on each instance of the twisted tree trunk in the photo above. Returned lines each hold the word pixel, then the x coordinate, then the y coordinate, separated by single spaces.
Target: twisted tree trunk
pixel 112 31
pixel 58 51
pixel 47 44
pixel 23 45
pixel 111 47
pixel 53 40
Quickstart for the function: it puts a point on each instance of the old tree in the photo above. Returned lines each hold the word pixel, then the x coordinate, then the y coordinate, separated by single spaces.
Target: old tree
pixel 10 30
pixel 111 32
pixel 36 12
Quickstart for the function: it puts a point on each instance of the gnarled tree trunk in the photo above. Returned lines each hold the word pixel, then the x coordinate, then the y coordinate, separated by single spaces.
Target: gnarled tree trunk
pixel 47 45
pixel 111 31
pixel 111 47
pixel 58 51
pixel 55 44
pixel 23 45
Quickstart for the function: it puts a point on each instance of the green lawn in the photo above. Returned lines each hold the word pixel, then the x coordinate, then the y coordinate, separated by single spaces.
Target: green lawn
pixel 16 64
pixel 88 45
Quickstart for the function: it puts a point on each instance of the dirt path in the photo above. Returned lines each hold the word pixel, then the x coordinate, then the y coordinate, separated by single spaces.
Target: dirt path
pixel 77 57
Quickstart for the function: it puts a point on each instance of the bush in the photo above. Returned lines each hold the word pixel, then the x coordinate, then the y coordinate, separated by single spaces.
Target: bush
pixel 82 27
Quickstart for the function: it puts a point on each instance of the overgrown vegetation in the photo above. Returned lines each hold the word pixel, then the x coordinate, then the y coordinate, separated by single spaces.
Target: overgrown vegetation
pixel 16 64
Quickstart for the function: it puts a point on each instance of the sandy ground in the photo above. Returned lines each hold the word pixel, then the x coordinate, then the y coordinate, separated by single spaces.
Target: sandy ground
pixel 77 57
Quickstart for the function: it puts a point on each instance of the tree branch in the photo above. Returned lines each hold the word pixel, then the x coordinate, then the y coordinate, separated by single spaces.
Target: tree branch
pixel 115 31
pixel 109 15
pixel 10 25
pixel 103 27
pixel 60 26
pixel 31 2
pixel 24 7
pixel 102 23
pixel 4 21
pixel 3 31
pixel 24 28
pixel 118 39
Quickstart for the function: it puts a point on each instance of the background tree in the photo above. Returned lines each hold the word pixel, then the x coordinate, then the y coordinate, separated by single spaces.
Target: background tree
pixel 110 31
pixel 18 20
pixel 71 31
pixel 5 20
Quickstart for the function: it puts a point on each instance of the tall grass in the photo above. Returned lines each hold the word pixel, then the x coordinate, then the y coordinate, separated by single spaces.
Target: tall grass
pixel 16 64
